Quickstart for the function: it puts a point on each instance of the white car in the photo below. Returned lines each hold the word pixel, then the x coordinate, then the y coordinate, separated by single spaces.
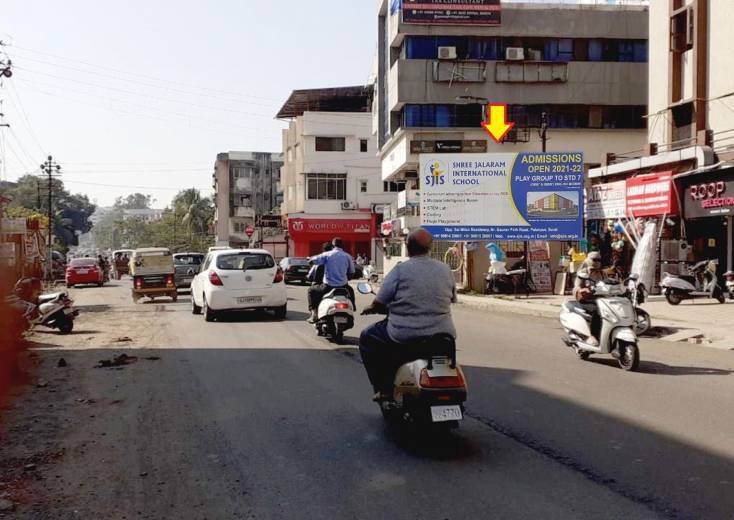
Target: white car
pixel 238 279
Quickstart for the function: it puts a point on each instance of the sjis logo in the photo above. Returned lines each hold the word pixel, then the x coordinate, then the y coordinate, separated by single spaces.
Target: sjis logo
pixel 436 174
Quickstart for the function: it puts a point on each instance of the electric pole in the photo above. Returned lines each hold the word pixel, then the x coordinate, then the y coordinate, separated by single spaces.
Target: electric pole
pixel 50 168
pixel 543 131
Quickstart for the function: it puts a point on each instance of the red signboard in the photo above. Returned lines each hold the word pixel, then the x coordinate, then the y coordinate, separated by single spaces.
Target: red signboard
pixel 249 230
pixel 333 227
pixel 651 194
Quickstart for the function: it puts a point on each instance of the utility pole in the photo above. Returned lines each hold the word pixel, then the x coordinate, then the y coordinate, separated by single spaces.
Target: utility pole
pixel 50 168
pixel 543 131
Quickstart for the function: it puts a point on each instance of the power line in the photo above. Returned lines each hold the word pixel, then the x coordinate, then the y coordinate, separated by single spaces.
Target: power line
pixel 20 145
pixel 24 114
pixel 131 186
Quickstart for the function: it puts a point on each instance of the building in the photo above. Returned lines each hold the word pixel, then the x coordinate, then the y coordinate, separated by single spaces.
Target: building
pixel 147 214
pixel 684 178
pixel 247 188
pixel 331 173
pixel 553 203
pixel 577 71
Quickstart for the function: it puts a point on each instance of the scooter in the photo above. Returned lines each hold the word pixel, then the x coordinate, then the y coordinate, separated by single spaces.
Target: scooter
pixel 499 280
pixel 369 273
pixel 430 390
pixel 335 314
pixel 637 294
pixel 617 335
pixel 52 310
pixel 701 282
pixel 729 277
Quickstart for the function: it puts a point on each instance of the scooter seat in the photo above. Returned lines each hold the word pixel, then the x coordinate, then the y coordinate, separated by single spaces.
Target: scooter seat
pixel 45 298
pixel 573 306
pixel 437 345
pixel 339 291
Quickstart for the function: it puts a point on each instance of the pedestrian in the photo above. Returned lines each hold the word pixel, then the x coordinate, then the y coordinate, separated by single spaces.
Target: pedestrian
pixel 360 260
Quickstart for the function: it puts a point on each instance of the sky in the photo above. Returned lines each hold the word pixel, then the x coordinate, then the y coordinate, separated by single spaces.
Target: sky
pixel 142 95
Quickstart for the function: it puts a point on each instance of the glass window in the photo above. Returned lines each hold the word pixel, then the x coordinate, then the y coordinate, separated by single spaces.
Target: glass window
pixel 326 186
pixel 393 187
pixel 363 186
pixel 330 144
pixel 595 50
pixel 363 145
pixel 239 261
pixel 626 50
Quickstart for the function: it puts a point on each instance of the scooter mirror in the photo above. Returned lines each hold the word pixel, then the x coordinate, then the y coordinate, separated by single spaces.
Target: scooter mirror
pixel 364 288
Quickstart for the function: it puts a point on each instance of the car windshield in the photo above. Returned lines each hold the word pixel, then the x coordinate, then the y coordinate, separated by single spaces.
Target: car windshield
pixel 78 262
pixel 238 261
pixel 297 261
pixel 188 259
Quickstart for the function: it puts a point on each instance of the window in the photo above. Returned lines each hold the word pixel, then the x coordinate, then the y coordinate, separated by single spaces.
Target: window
pixel 330 144
pixel 559 49
pixel 682 31
pixel 363 145
pixel 326 186
pixel 442 116
pixel 363 186
pixel 393 187
pixel 239 261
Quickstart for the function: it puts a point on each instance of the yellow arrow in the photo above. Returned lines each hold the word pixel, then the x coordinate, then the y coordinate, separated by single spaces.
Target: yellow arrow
pixel 497 126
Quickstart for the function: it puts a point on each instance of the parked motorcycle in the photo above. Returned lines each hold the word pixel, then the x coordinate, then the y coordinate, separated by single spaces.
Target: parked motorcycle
pixel 53 310
pixel 616 325
pixel 701 282
pixel 729 282
pixel 499 280
pixel 335 314
pixel 430 390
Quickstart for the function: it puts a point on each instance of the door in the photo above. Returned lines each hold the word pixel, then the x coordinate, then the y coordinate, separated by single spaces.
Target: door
pixel 245 270
pixel 197 284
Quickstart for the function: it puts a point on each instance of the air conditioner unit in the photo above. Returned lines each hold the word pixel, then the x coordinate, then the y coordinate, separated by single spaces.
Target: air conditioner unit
pixel 535 55
pixel 348 205
pixel 447 53
pixel 514 54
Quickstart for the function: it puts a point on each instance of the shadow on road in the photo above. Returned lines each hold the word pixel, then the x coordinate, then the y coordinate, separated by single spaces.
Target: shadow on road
pixel 654 367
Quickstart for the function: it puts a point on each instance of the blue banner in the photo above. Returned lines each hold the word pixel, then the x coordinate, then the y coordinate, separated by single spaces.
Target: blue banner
pixel 503 196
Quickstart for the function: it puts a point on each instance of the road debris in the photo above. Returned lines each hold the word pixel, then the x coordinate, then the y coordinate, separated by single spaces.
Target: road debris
pixel 117 361
pixel 29 467
pixel 6 505
pixel 41 383
pixel 123 339
pixel 153 358
pixel 62 363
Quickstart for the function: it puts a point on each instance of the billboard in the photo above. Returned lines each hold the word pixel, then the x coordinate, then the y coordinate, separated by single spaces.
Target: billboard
pixel 606 201
pixel 452 12
pixel 503 196
pixel 651 195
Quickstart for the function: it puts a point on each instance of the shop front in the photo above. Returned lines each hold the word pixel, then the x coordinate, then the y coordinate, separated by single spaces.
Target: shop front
pixel 308 234
pixel 708 207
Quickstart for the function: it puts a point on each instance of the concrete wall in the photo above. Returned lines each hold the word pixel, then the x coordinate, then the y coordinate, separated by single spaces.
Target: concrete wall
pixel 589 83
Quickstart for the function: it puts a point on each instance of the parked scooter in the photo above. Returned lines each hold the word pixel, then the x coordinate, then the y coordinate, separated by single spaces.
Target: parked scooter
pixel 335 314
pixel 53 310
pixel 369 273
pixel 616 316
pixel 701 282
pixel 729 282
pixel 430 390
pixel 501 281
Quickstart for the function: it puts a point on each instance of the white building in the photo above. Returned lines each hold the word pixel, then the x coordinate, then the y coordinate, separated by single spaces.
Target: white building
pixel 331 176
pixel 148 215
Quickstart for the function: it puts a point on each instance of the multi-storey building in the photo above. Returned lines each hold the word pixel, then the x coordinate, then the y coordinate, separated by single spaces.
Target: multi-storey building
pixel 331 173
pixel 684 177
pixel 246 186
pixel 573 77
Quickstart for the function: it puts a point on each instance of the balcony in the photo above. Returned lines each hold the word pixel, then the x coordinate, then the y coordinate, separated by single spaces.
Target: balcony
pixel 462 71
pixel 244 212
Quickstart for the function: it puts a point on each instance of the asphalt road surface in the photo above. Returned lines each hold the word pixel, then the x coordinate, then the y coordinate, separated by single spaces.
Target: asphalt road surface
pixel 251 417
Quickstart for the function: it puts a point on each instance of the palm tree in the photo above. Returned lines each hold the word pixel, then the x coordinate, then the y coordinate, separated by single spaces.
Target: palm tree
pixel 196 210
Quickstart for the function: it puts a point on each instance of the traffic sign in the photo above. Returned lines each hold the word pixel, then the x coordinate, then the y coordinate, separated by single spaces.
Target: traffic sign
pixel 249 230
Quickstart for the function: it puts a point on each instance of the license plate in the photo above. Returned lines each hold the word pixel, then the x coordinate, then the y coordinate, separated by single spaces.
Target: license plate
pixel 446 413
pixel 341 319
pixel 82 271
pixel 250 299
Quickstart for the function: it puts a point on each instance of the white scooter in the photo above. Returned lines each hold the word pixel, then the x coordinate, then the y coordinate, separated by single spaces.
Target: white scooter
pixel 701 282
pixel 53 310
pixel 335 314
pixel 617 335
pixel 429 391
pixel 369 273
pixel 729 282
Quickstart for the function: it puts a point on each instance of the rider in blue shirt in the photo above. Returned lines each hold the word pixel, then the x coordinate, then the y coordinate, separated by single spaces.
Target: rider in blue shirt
pixel 338 267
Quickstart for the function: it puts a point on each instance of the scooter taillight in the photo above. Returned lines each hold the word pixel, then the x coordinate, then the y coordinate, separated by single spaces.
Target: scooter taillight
pixel 341 306
pixel 457 381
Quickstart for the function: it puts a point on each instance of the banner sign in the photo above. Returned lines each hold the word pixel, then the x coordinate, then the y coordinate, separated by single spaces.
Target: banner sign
pixel 448 146
pixel 328 226
pixel 268 221
pixel 13 226
pixel 605 201
pixel 452 12
pixel 709 198
pixel 651 194
pixel 503 196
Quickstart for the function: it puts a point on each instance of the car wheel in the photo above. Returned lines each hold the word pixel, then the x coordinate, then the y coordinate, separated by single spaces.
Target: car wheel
pixel 209 315
pixel 174 297
pixel 100 284
pixel 281 312
pixel 195 309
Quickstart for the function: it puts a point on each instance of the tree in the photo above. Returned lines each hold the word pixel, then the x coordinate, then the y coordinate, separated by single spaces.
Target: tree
pixel 197 211
pixel 134 201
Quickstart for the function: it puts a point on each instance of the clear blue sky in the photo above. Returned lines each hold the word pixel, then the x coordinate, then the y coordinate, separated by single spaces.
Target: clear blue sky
pixel 146 93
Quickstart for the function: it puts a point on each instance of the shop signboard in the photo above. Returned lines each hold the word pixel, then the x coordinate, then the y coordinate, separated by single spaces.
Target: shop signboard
pixel 454 12
pixel 605 201
pixel 13 226
pixel 331 226
pixel 709 198
pixel 503 196
pixel 448 146
pixel 269 221
pixel 651 194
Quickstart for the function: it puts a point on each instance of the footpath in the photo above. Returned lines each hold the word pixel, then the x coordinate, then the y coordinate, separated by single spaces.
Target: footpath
pixel 705 322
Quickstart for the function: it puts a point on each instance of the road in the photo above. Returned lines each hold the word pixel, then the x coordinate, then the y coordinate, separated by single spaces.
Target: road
pixel 257 418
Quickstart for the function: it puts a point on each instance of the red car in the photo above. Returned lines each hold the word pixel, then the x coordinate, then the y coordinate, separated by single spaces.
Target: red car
pixel 82 271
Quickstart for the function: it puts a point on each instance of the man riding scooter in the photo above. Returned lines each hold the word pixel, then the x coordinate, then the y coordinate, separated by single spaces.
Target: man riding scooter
pixel 418 294
pixel 338 267
pixel 589 273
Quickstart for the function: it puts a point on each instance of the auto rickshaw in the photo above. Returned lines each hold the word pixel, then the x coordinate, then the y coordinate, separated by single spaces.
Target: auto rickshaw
pixel 153 273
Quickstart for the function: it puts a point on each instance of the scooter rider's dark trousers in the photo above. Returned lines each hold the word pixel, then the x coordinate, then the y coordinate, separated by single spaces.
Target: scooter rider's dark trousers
pixel 317 292
pixel 382 356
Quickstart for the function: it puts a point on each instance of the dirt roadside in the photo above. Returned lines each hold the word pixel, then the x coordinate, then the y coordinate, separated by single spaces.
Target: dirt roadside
pixel 69 416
